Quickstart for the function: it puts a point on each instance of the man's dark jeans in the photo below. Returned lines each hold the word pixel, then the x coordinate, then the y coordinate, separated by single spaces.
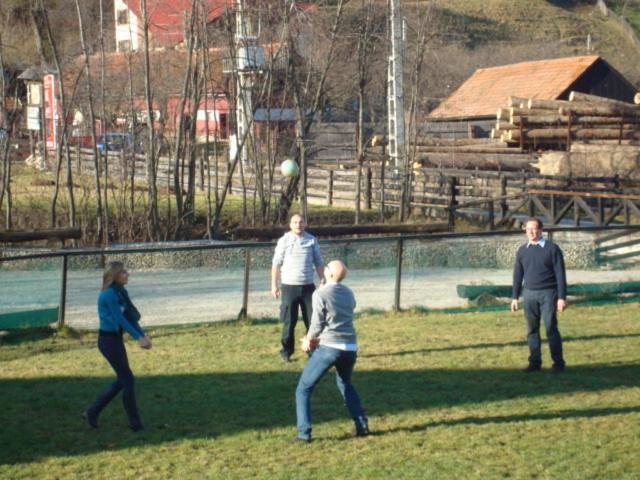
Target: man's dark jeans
pixel 112 348
pixel 537 304
pixel 292 297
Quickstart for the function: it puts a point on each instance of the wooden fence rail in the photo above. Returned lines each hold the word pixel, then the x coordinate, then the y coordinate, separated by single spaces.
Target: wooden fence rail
pixel 491 198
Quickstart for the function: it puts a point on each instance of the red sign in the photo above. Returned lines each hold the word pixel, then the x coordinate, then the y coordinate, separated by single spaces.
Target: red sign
pixel 50 112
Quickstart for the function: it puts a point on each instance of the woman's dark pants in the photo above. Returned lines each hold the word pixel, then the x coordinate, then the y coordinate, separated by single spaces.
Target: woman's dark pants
pixel 112 348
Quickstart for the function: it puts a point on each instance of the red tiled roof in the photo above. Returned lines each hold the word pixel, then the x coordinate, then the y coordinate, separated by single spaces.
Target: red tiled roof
pixel 166 17
pixel 489 88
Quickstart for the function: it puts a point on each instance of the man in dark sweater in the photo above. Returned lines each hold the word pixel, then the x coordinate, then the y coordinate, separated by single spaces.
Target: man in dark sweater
pixel 540 263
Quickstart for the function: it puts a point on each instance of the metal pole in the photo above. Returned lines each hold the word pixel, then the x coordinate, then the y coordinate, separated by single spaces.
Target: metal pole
pixel 396 300
pixel 245 291
pixel 63 292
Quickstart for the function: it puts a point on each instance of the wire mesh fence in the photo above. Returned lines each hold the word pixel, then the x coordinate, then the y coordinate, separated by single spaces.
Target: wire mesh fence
pixel 215 281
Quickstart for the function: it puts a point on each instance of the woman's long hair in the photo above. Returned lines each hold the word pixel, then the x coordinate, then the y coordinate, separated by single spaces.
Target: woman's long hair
pixel 111 272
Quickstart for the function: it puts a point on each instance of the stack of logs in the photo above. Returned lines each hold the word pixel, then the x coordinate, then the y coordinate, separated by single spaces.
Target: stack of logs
pixel 532 124
pixel 469 153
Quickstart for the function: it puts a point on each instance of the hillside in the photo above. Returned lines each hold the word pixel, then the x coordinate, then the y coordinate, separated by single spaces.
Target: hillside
pixel 464 34
pixel 476 34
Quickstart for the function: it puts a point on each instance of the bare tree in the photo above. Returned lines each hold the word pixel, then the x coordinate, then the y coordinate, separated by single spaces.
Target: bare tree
pixel 153 222
pixel 306 104
pixel 368 42
pixel 103 121
pixel 5 130
pixel 101 234
pixel 41 22
pixel 422 35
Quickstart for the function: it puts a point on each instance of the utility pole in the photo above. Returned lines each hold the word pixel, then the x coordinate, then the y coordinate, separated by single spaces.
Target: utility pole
pixel 395 87
pixel 247 66
pixel 395 99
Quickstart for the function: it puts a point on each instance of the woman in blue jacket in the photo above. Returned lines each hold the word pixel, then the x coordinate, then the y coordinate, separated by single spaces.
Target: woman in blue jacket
pixel 117 314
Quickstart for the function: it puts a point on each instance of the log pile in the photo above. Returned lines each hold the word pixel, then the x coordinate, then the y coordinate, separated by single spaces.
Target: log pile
pixel 534 124
pixel 469 153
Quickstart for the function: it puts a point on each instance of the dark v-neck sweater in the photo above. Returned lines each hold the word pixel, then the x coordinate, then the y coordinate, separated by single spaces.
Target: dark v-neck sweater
pixel 541 268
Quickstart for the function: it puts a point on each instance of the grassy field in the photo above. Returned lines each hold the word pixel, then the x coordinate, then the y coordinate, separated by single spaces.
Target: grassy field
pixel 445 396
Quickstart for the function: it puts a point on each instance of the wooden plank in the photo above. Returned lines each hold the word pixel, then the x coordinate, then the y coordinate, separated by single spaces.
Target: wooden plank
pixel 580 203
pixel 28 318
pixel 46 234
pixel 577 289
pixel 566 193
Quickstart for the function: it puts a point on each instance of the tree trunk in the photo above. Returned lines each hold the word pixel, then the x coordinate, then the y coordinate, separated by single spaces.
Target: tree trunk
pixel 102 235
pixel 153 224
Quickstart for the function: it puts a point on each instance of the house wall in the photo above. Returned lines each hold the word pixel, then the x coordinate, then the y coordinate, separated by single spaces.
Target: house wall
pixel 129 31
pixel 602 80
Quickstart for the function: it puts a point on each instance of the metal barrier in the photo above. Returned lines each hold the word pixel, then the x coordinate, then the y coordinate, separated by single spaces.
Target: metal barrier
pixel 385 259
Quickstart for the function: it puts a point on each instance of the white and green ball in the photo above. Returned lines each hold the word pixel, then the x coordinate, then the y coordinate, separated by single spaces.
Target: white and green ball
pixel 289 168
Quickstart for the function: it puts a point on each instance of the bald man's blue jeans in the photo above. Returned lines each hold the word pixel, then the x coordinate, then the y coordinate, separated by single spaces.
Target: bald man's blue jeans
pixel 322 359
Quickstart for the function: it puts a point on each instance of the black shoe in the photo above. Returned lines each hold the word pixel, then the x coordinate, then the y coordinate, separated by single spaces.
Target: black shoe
pixel 361 433
pixel 557 368
pixel 362 427
pixel 532 368
pixel 286 358
pixel 300 440
pixel 91 418
pixel 136 427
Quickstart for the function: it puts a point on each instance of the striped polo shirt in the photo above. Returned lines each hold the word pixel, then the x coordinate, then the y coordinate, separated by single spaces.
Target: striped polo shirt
pixel 297 256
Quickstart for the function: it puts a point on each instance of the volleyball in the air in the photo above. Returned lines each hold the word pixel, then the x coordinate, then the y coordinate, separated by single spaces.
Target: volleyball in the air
pixel 289 168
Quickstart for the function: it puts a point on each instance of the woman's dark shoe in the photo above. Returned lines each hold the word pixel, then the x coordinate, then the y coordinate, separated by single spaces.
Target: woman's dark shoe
pixel 136 427
pixel 91 418
pixel 362 427
pixel 532 368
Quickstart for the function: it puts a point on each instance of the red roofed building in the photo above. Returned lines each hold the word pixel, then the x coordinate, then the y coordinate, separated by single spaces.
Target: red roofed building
pixel 488 89
pixel 166 21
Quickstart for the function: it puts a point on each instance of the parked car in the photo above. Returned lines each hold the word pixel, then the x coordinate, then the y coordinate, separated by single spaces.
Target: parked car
pixel 117 141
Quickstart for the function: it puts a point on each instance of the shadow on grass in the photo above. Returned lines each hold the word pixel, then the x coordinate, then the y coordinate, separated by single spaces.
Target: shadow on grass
pixel 474 346
pixel 475 420
pixel 40 417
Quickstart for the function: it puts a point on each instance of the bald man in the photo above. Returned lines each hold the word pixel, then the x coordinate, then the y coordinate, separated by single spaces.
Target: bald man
pixel 297 254
pixel 332 339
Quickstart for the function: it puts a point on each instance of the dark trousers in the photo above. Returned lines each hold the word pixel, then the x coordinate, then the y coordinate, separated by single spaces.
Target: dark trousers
pixel 537 304
pixel 292 297
pixel 112 348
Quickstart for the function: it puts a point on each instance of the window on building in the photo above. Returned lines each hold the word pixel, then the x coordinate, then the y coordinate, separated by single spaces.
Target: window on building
pixel 123 17
pixel 124 45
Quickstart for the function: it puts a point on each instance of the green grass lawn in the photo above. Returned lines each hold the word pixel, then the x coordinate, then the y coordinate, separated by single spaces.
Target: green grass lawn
pixel 445 396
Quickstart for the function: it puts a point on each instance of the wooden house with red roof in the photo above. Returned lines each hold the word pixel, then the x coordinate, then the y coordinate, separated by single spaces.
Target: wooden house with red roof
pixel 471 109
pixel 166 21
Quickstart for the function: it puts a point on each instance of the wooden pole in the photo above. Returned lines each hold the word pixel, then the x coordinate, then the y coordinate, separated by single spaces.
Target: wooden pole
pixel 491 224
pixel 453 183
pixel 63 292
pixel 245 288
pixel 399 252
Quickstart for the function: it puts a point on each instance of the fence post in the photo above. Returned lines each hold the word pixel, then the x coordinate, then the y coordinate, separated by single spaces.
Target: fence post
pixel 453 183
pixel 63 292
pixel 396 299
pixel 492 218
pixel 504 206
pixel 368 189
pixel 330 188
pixel 245 289
pixel 382 168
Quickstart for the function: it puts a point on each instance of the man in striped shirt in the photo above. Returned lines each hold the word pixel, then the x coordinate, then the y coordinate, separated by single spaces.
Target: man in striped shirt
pixel 296 255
